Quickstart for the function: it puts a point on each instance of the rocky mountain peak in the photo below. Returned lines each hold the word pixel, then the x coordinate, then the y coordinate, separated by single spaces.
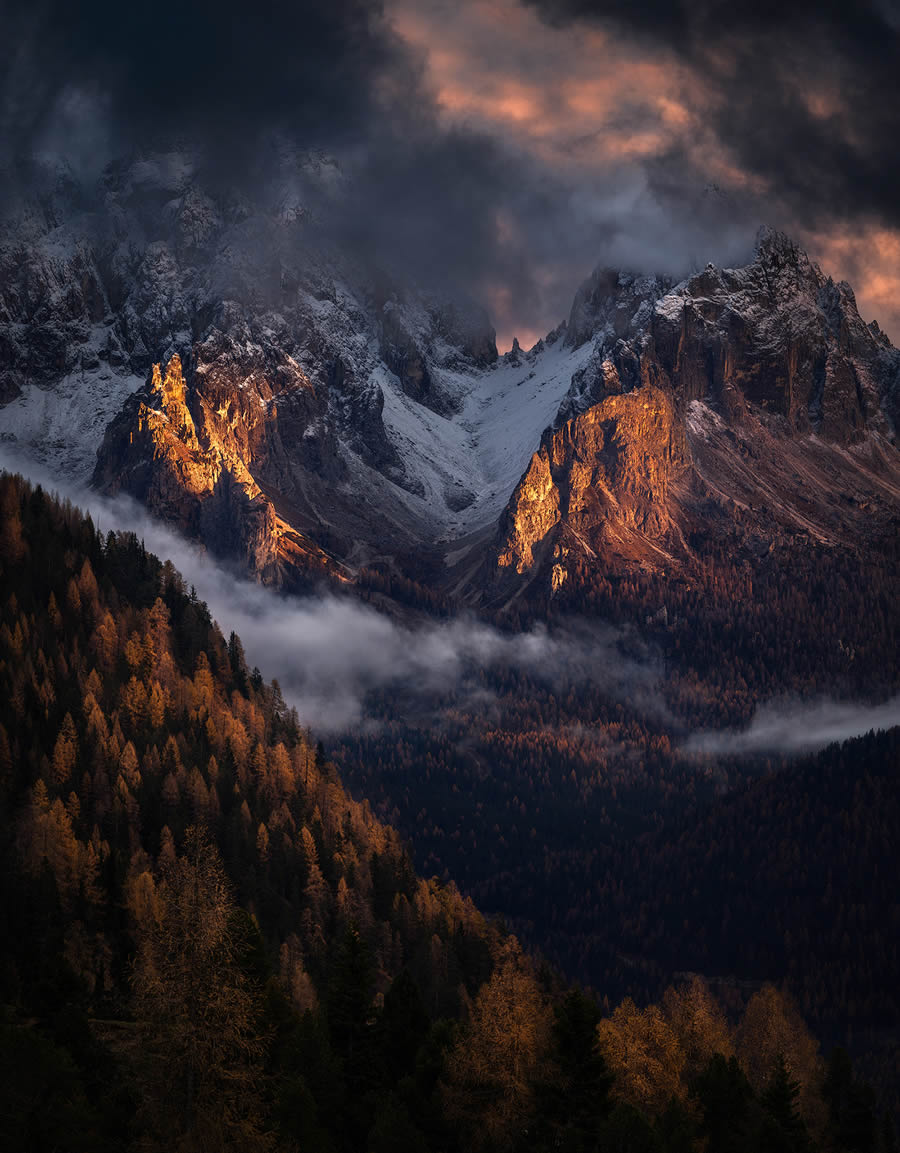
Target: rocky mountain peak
pixel 778 249
pixel 776 334
pixel 170 393
pixel 687 385
pixel 613 305
pixel 268 395
pixel 196 474
pixel 514 356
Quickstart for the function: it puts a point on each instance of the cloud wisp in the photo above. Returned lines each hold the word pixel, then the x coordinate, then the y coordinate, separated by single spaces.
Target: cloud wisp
pixel 797 728
pixel 329 653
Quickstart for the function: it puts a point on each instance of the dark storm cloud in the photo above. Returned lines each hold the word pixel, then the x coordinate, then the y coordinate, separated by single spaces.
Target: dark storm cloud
pixel 805 95
pixel 449 208
pixel 217 69
pixel 511 206
pixel 461 212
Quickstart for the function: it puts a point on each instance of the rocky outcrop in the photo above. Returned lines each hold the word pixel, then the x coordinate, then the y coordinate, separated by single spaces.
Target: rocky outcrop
pixel 602 476
pixel 404 358
pixel 414 339
pixel 325 410
pixel 288 346
pixel 187 467
pixel 613 305
pixel 777 337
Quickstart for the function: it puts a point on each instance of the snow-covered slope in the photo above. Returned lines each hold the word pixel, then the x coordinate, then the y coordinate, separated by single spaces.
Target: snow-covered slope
pixel 464 466
pixel 61 427
pixel 374 418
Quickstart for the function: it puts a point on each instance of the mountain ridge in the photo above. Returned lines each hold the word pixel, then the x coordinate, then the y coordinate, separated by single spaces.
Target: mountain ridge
pixel 342 422
pixel 755 394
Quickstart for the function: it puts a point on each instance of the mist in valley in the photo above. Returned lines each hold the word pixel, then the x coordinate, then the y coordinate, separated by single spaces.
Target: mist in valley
pixel 331 654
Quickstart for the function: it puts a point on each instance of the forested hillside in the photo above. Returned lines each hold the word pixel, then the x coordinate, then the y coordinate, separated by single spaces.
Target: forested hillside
pixel 206 944
pixel 628 861
pixel 790 878
pixel 800 617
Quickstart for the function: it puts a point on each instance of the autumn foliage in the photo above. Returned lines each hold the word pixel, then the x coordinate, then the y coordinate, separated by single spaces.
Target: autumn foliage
pixel 207 944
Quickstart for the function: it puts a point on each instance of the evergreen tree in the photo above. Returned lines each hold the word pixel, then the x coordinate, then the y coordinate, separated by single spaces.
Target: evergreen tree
pixel 725 1098
pixel 402 1027
pixel 577 1101
pixel 675 1128
pixel 491 1072
pixel 627 1130
pixel 196 1008
pixel 779 1100
pixel 852 1121
pixel 350 1022
pixel 393 1130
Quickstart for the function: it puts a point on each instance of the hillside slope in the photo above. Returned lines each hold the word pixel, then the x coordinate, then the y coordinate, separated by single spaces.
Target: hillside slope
pixel 207 944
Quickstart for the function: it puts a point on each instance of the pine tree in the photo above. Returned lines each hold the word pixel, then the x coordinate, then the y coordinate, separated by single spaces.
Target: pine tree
pixel 645 1055
pixel 350 994
pixel 489 1088
pixel 402 1027
pixel 65 751
pixel 851 1106
pixel 780 1103
pixel 725 1098
pixel 349 1013
pixel 577 1101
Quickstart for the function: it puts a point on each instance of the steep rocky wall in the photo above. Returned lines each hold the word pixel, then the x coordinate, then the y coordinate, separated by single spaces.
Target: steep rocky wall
pixel 187 467
pixel 603 475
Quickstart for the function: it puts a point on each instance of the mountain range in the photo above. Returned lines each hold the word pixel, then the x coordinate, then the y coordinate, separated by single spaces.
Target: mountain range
pixel 235 369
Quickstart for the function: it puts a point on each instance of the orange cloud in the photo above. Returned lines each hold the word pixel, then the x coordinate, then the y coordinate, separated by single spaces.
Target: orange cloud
pixel 869 258
pixel 578 99
pixel 569 96
pixel 493 63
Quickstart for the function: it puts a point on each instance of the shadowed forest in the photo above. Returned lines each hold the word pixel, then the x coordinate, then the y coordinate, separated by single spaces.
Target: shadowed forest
pixel 207 944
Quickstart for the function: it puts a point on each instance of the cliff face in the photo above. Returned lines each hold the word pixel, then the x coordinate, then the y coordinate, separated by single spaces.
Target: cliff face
pixel 597 479
pixel 189 468
pixel 756 392
pixel 290 349
pixel 777 337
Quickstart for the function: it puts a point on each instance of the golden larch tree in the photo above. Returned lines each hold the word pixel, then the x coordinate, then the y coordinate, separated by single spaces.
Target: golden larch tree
pixel 197 1010
pixel 489 1087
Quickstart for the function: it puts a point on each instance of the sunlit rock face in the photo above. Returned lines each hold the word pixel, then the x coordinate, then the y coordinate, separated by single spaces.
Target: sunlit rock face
pixel 755 393
pixel 192 473
pixel 601 475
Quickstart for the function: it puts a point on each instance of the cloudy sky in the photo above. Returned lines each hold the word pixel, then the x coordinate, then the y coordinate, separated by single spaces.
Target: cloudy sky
pixel 504 147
